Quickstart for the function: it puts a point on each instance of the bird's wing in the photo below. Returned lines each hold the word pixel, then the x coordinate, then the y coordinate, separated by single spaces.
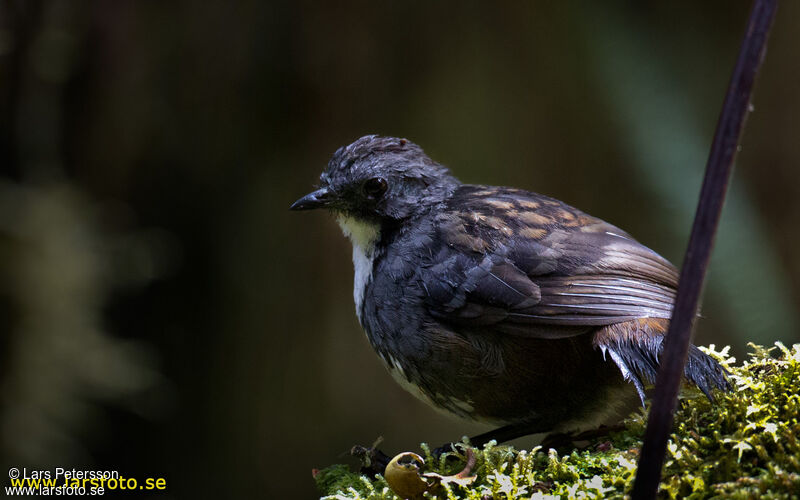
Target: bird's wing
pixel 531 265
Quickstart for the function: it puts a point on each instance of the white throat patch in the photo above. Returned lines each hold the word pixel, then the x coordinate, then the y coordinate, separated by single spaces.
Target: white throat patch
pixel 364 236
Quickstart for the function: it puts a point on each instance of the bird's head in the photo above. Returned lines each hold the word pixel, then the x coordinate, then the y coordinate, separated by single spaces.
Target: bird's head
pixel 376 179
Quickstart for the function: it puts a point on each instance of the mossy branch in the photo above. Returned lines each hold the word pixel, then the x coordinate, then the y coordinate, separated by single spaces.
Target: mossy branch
pixel 745 445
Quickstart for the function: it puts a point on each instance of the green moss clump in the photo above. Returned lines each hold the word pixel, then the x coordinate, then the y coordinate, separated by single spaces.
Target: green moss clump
pixel 746 445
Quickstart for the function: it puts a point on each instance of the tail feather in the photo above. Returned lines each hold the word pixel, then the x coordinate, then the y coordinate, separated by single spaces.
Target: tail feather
pixel 704 372
pixel 635 347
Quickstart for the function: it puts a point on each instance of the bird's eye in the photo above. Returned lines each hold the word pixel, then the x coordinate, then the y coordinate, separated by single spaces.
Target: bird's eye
pixel 375 187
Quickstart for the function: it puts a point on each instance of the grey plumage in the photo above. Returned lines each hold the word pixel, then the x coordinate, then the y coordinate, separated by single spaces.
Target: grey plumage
pixel 494 303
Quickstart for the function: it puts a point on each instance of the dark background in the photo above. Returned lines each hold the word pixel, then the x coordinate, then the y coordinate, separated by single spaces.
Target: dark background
pixel 163 314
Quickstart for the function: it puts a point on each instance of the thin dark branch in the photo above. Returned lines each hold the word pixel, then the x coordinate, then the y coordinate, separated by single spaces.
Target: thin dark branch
pixel 709 208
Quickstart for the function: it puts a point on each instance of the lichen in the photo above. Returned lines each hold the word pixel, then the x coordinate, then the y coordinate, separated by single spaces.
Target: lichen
pixel 744 445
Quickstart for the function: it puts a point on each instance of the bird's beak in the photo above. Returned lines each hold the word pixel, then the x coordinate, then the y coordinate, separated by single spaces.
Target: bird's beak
pixel 318 199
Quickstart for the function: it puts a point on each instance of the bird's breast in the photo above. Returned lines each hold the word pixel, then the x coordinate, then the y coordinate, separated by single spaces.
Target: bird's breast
pixel 364 236
pixel 362 263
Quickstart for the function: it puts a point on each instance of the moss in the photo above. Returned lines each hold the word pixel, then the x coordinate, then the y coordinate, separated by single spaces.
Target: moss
pixel 745 445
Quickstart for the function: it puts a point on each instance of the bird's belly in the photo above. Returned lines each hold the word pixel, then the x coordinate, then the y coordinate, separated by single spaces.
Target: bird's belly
pixel 552 384
pixel 447 404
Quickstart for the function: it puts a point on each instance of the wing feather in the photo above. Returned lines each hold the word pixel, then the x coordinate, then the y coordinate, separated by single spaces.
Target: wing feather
pixel 531 265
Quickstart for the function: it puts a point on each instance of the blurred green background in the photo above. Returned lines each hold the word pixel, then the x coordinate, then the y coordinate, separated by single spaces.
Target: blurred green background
pixel 162 312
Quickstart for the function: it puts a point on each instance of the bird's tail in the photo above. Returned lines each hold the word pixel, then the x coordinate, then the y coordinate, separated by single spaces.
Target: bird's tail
pixel 635 346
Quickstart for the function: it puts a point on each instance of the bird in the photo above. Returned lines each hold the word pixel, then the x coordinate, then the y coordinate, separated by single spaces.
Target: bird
pixel 496 304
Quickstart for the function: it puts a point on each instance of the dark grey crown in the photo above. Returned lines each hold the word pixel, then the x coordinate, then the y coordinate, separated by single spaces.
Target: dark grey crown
pixel 412 180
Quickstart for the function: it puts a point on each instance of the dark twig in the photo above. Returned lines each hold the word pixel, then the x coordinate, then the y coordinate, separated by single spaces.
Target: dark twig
pixel 712 196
